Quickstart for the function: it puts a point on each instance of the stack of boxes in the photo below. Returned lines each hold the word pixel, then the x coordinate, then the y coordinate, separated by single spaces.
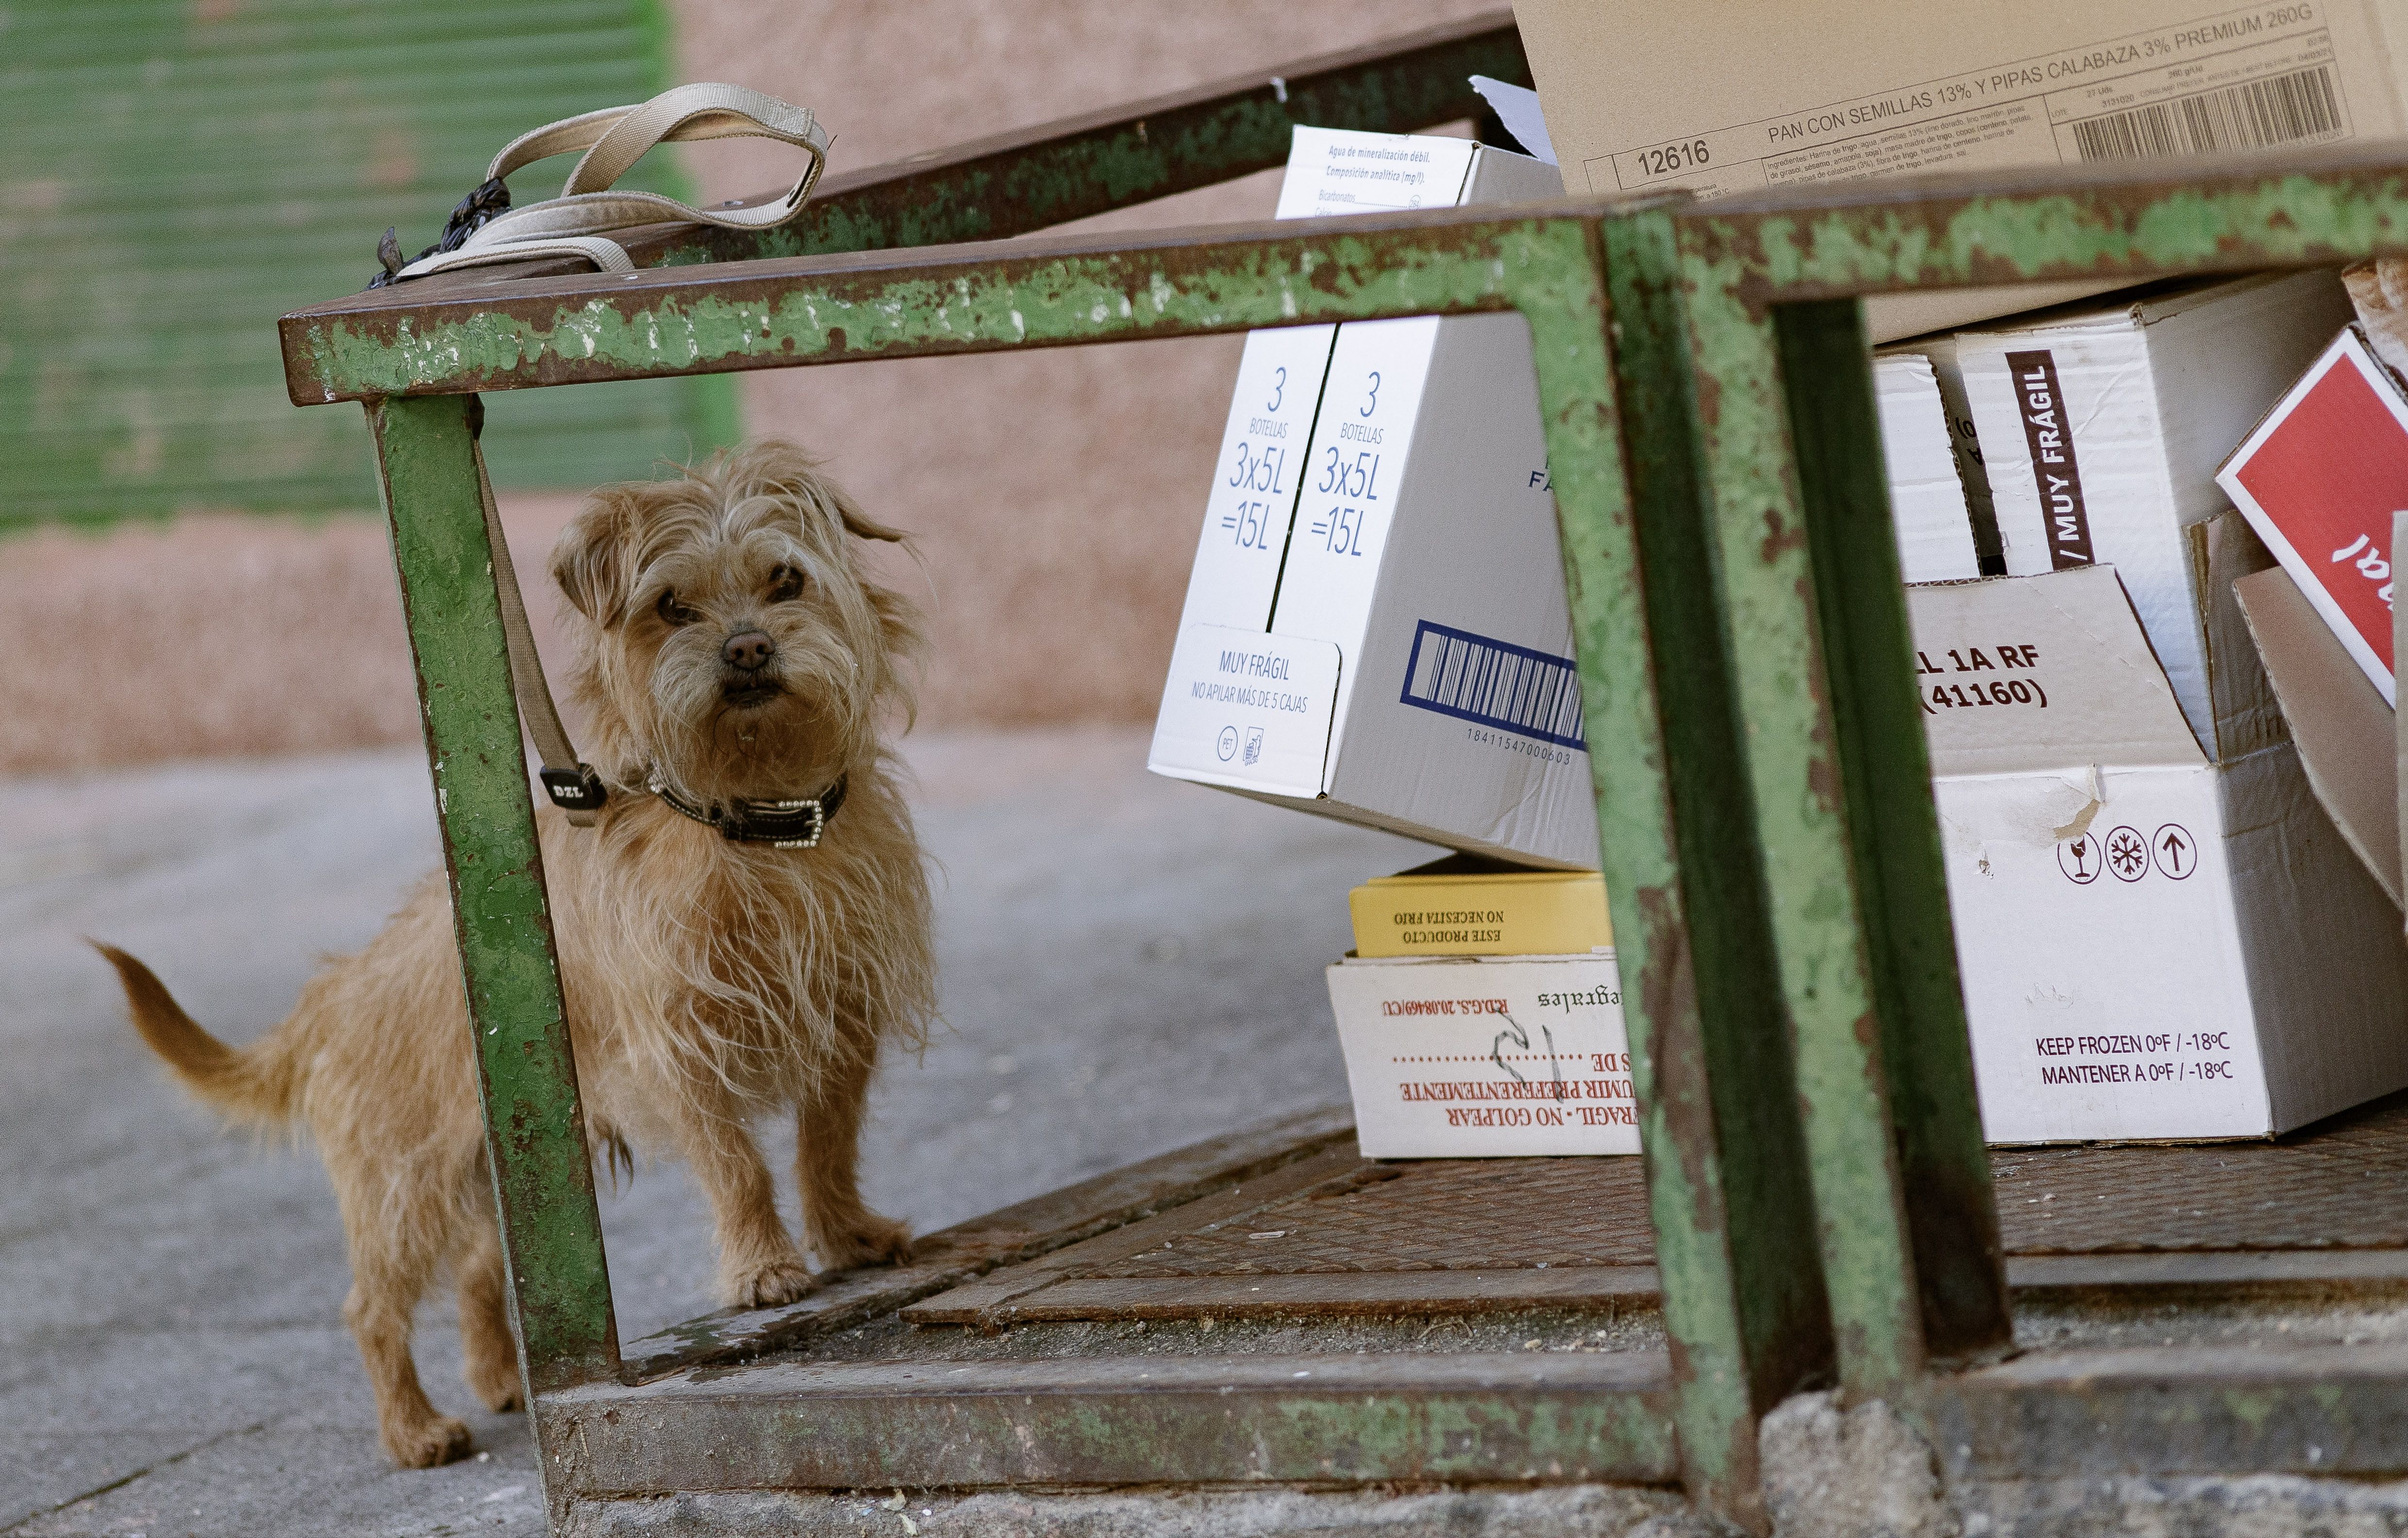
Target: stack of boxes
pixel 2161 933
pixel 1481 1014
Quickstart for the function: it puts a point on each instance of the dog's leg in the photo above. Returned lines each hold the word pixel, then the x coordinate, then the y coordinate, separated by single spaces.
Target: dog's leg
pixel 840 1228
pixel 391 1266
pixel 759 1266
pixel 493 1365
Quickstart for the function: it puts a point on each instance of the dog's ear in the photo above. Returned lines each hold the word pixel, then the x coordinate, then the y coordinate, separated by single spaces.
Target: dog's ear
pixel 589 561
pixel 856 522
pixel 862 526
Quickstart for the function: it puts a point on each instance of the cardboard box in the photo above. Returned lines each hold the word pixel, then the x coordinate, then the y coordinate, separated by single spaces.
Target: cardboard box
pixel 1964 440
pixel 2346 735
pixel 2101 428
pixel 2320 480
pixel 1926 493
pixel 1462 905
pixel 1375 628
pixel 1486 1058
pixel 2152 945
pixel 1769 93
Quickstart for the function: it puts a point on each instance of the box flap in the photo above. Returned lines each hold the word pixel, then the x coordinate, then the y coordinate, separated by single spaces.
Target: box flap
pixel 1352 171
pixel 2343 729
pixel 2246 715
pixel 1501 175
pixel 2025 674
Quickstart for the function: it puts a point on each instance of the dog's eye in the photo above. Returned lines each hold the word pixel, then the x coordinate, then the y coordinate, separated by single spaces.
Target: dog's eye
pixel 672 612
pixel 785 583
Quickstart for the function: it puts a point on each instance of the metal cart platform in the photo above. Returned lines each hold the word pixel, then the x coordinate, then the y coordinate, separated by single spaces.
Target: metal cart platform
pixel 1816 1207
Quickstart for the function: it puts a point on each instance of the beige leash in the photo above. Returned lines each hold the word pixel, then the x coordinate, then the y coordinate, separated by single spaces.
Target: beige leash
pixel 485 229
pixel 572 784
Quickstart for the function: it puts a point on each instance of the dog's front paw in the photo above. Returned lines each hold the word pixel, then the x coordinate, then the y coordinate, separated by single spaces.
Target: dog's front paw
pixel 770 1284
pixel 867 1240
pixel 429 1443
pixel 496 1383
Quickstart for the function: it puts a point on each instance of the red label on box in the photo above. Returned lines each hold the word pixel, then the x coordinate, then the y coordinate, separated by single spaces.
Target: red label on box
pixel 2327 476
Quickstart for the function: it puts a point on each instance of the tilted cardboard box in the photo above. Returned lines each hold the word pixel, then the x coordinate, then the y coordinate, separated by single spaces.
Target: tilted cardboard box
pixel 1375 627
pixel 1766 93
pixel 2152 945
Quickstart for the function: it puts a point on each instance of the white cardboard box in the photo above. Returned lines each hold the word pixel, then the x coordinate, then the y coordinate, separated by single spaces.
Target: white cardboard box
pixel 1940 352
pixel 1927 492
pixel 1375 628
pixel 2101 428
pixel 1485 1057
pixel 1756 93
pixel 2152 945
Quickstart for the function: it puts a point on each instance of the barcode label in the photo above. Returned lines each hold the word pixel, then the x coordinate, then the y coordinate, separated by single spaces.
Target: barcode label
pixel 2284 109
pixel 1496 683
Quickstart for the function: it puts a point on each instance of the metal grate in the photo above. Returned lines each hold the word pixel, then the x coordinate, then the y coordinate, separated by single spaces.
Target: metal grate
pixel 1444 1214
pixel 2345 1188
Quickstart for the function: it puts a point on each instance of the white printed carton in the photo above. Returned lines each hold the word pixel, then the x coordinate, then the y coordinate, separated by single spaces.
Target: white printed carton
pixel 1485 1057
pixel 1375 629
pixel 2152 945
pixel 2101 428
pixel 1755 94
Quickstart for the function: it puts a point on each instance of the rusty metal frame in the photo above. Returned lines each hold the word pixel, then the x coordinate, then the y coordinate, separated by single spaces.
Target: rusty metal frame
pixel 1820 1196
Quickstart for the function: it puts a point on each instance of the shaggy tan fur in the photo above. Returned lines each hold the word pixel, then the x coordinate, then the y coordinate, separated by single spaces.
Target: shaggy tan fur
pixel 709 982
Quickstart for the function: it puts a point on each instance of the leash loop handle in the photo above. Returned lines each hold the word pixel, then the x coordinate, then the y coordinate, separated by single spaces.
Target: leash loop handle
pixel 612 139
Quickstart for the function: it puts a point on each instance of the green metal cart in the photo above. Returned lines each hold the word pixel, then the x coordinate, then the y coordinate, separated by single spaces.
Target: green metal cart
pixel 1817 1204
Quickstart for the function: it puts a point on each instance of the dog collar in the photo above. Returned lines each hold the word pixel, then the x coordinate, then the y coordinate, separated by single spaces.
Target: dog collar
pixel 780 824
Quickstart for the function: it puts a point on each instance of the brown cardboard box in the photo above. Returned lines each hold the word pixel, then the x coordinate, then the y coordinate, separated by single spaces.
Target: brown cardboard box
pixel 1751 94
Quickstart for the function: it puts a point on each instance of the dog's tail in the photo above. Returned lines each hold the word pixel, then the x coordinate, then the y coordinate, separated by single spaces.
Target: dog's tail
pixel 257 1087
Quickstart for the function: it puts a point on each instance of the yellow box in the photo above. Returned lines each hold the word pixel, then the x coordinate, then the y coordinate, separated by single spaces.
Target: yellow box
pixel 1462 905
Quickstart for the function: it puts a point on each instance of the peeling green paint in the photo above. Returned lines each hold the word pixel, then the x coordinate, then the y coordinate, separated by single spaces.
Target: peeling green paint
pixel 535 1129
pixel 2141 226
pixel 648 324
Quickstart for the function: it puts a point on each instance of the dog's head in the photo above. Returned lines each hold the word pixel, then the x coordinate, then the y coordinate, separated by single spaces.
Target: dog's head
pixel 730 641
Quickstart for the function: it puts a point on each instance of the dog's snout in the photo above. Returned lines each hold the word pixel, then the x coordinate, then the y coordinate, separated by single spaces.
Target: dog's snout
pixel 748 649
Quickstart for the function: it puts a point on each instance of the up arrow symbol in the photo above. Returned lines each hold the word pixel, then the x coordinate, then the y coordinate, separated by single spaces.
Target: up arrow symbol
pixel 2174 847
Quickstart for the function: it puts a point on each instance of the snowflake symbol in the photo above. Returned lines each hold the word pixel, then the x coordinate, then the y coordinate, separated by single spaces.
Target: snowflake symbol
pixel 2127 854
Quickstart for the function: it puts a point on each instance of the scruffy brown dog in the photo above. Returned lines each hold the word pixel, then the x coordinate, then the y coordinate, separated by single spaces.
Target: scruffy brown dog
pixel 730 652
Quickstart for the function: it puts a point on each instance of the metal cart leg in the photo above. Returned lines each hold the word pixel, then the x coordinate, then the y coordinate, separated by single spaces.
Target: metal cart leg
pixel 1788 496
pixel 535 1132
pixel 1743 1294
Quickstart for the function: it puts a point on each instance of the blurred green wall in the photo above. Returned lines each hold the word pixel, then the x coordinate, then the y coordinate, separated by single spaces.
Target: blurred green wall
pixel 175 174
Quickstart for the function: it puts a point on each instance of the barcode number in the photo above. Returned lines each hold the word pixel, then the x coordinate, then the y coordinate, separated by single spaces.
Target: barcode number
pixel 2282 110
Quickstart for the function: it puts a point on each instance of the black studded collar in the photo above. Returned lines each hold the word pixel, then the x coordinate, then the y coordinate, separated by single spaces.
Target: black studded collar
pixel 780 824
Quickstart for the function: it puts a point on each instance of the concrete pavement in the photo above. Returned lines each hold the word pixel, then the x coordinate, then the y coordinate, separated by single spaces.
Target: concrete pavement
pixel 1129 964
